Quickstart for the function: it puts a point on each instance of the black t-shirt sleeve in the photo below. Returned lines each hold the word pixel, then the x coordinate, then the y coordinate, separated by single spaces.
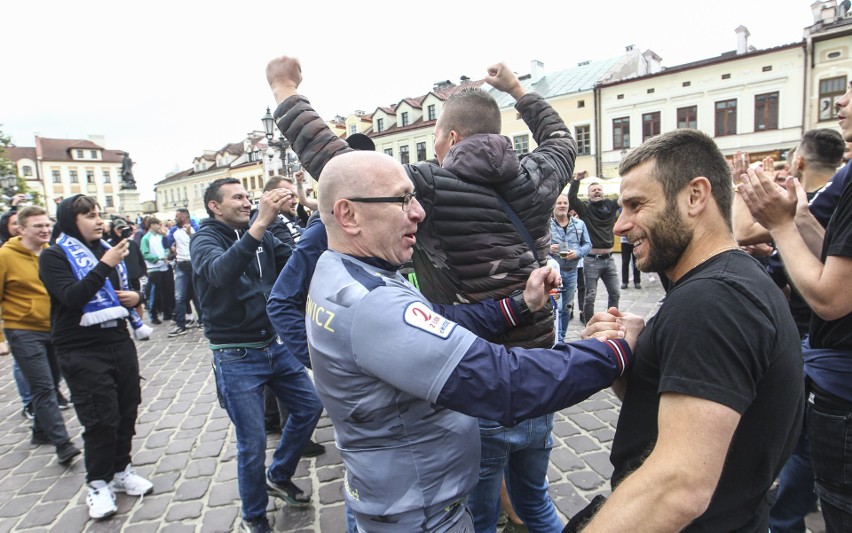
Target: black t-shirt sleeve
pixel 840 240
pixel 719 353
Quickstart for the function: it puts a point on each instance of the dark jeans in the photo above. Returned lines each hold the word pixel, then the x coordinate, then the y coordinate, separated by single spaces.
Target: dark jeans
pixel 581 292
pixel 104 384
pixel 31 351
pixel 184 293
pixel 829 430
pixel 604 269
pixel 795 491
pixel 158 293
pixel 627 257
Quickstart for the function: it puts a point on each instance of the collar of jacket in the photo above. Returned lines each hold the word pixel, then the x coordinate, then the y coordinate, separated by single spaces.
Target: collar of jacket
pixel 486 158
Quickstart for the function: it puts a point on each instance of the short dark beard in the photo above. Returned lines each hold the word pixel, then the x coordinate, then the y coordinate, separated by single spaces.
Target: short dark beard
pixel 667 239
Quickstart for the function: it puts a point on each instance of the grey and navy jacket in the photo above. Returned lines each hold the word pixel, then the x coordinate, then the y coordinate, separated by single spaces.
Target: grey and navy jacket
pixel 468 249
pixel 233 277
pixel 402 408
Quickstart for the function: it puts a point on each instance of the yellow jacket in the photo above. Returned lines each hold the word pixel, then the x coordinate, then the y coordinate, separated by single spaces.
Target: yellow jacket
pixel 23 299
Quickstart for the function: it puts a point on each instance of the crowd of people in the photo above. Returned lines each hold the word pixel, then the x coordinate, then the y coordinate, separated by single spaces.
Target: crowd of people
pixel 442 392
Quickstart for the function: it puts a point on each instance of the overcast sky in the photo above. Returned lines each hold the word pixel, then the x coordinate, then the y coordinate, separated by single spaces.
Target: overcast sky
pixel 166 80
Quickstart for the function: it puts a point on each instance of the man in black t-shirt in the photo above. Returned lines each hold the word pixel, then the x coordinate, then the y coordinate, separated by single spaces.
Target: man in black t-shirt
pixel 820 267
pixel 713 405
pixel 599 215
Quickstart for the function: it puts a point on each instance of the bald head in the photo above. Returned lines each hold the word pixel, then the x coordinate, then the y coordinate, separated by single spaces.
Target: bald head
pixel 352 174
pixel 361 197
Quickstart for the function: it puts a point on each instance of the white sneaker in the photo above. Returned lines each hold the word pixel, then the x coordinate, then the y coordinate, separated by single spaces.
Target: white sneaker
pixel 101 500
pixel 130 483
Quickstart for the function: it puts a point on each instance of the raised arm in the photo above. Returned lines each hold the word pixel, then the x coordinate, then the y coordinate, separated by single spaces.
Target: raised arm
pixel 309 136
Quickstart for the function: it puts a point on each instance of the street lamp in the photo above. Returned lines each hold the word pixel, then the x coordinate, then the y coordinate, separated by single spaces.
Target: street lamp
pixel 281 145
pixel 9 183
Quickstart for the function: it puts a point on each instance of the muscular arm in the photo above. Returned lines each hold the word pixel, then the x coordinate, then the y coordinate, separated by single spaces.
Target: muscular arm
pixel 676 482
pixel 573 202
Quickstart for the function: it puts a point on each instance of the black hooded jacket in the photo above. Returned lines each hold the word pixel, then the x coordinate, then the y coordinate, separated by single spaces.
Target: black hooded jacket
pixel 68 295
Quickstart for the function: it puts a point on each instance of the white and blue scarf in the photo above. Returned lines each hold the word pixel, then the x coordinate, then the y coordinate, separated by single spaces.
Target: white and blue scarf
pixel 104 306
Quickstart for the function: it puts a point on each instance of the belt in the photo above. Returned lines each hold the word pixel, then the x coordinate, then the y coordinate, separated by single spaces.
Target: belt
pixel 600 256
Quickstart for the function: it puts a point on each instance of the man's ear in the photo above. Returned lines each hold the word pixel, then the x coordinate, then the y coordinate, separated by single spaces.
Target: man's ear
pixel 345 216
pixel 699 192
pixel 455 137
pixel 213 205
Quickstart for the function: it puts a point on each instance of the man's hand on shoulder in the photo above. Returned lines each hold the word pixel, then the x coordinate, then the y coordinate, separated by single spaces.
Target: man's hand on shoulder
pixel 284 75
pixel 501 77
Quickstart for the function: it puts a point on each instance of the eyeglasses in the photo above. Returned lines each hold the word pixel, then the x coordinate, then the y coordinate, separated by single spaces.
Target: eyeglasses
pixel 404 200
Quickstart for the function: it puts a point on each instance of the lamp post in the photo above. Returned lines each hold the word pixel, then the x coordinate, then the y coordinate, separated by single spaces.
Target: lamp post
pixel 9 183
pixel 281 145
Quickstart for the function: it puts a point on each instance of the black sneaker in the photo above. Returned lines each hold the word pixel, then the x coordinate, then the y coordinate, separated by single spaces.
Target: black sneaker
pixel 637 285
pixel 312 449
pixel 177 331
pixel 39 438
pixel 287 491
pixel 27 412
pixel 62 401
pixel 257 525
pixel 66 452
pixel 156 321
pixel 272 428
pixel 623 285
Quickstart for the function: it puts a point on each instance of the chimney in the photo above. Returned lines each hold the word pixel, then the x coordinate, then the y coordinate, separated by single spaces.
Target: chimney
pixel 824 11
pixel 100 140
pixel 442 85
pixel 742 39
pixel 536 71
pixel 653 61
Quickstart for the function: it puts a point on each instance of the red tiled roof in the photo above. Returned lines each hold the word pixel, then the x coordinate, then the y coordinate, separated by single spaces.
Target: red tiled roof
pixel 16 153
pixel 60 149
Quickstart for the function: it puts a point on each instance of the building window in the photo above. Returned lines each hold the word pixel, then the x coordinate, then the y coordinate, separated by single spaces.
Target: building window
pixel 687 117
pixel 767 68
pixel 726 76
pixel 253 184
pixel 686 84
pixel 651 90
pixel 726 117
pixel 581 103
pixel 650 124
pixel 353 129
pixel 245 184
pixel 421 151
pixel 380 125
pixel 90 176
pixel 72 176
pixel 522 144
pixel 57 177
pixel 405 119
pixel 109 202
pixel 79 154
pixel 94 154
pixel 431 111
pixel 403 154
pixel 389 151
pixel 106 176
pixel 766 111
pixel 583 137
pixel 830 89
pixel 27 170
pixel 621 133
pixel 620 97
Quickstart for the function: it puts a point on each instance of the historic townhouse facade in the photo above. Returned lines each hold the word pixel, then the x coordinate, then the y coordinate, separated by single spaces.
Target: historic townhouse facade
pixel 58 168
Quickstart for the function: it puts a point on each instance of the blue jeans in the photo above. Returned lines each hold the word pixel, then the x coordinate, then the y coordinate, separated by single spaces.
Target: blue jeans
pixel 522 453
pixel 829 429
pixel 241 374
pixel 566 301
pixel 795 491
pixel 605 270
pixel 30 350
pixel 183 293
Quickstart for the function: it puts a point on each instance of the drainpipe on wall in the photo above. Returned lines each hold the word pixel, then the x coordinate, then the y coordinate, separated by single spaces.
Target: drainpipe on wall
pixel 597 130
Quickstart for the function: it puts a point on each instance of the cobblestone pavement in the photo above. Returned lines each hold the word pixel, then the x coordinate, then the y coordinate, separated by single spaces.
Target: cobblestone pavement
pixel 186 446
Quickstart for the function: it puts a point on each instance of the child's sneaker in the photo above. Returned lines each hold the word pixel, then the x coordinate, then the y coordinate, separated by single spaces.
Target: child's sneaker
pixel 130 483
pixel 101 500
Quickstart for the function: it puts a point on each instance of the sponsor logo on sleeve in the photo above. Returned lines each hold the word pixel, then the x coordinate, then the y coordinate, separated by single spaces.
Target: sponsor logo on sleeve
pixel 418 315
